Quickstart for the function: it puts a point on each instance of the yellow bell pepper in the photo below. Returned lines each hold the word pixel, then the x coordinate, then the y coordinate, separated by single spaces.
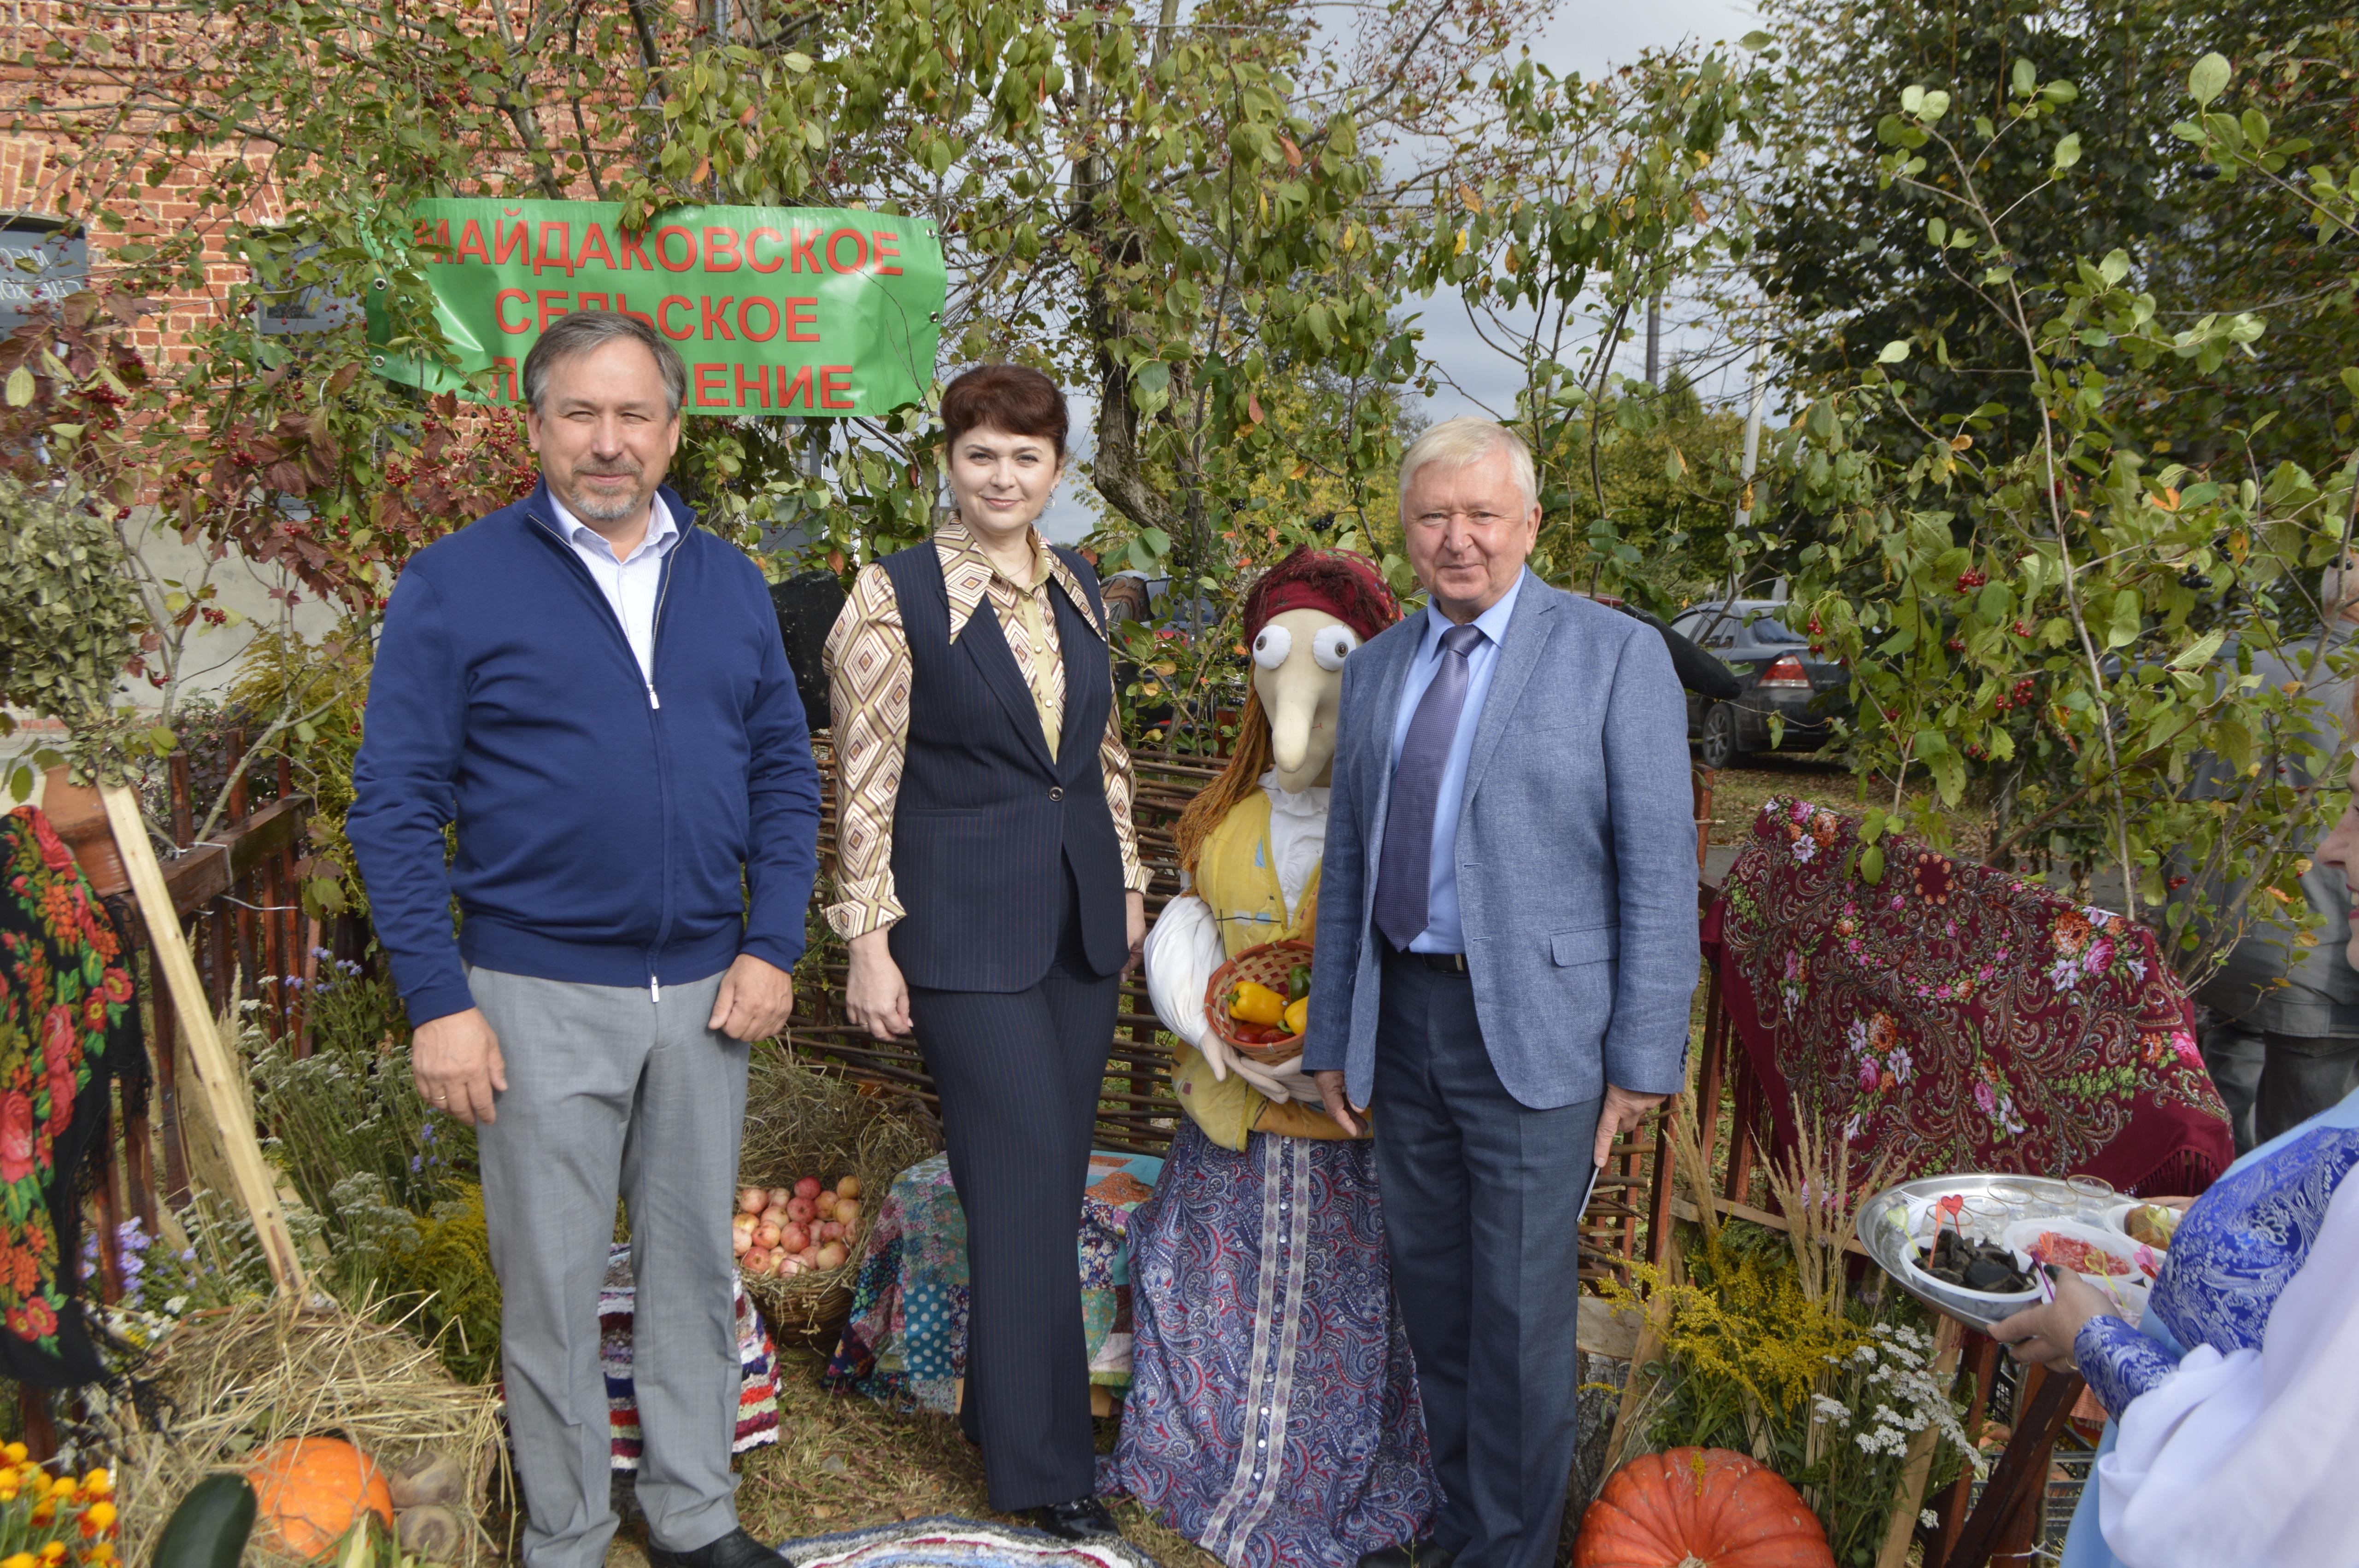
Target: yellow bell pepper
pixel 1256 1004
pixel 1298 1015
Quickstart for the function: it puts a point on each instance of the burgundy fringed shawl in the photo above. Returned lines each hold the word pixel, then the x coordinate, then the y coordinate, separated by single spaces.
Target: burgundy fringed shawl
pixel 1954 1017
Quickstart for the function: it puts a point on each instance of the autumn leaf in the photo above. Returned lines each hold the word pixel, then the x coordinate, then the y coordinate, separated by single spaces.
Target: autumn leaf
pixel 1293 153
pixel 1253 407
pixel 1467 198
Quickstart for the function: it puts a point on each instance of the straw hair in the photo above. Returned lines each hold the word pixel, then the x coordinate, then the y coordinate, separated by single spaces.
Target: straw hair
pixel 1237 782
pixel 1456 443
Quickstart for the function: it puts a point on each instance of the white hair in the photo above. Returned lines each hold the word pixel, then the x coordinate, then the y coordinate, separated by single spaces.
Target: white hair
pixel 1457 443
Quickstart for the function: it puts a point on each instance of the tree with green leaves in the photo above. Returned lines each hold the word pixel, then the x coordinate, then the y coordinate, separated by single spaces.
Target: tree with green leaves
pixel 2026 596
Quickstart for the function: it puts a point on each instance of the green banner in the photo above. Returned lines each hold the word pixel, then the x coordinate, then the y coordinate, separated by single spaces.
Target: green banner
pixel 820 313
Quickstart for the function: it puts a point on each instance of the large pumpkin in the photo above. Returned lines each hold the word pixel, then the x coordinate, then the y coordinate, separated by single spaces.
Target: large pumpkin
pixel 1700 1507
pixel 310 1490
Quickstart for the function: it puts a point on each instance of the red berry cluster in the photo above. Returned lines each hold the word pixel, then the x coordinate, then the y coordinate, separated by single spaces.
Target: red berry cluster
pixel 214 617
pixel 1956 644
pixel 2022 630
pixel 2018 695
pixel 1970 580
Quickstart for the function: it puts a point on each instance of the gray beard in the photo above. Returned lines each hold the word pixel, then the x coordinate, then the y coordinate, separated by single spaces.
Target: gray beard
pixel 592 508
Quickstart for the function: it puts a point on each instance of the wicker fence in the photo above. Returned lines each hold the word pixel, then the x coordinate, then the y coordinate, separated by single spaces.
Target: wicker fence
pixel 1629 1217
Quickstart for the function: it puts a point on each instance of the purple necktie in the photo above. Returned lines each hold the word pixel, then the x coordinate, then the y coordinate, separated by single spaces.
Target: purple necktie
pixel 1406 866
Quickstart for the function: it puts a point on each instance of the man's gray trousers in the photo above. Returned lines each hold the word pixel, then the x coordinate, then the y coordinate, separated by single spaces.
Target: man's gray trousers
pixel 612 1092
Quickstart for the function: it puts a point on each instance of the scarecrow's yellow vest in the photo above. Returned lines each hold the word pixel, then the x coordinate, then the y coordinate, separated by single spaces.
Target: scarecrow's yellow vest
pixel 1237 877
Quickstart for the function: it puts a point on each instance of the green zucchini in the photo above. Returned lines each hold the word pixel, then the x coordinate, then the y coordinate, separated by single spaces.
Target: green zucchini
pixel 210 1526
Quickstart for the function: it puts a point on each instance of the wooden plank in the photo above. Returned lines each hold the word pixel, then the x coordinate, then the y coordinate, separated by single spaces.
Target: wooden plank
pixel 1949 1338
pixel 207 1054
pixel 2023 1466
pixel 206 871
pixel 1735 1210
pixel 1603 1328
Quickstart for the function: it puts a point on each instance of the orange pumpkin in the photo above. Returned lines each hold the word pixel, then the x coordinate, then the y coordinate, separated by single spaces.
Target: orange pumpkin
pixel 309 1490
pixel 1700 1507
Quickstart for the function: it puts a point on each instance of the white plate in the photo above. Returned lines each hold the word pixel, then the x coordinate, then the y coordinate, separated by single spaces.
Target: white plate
pixel 1919 1232
pixel 2127 1293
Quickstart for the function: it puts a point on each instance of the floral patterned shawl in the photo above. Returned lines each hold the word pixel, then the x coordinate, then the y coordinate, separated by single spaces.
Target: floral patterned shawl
pixel 68 1023
pixel 1954 1017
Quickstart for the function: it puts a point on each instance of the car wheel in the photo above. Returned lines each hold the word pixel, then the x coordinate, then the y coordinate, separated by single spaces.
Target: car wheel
pixel 1718 747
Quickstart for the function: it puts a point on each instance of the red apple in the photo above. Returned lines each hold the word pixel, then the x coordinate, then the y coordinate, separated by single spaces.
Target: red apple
pixel 742 1243
pixel 766 1235
pixel 752 1200
pixel 791 1267
pixel 808 1188
pixel 759 1263
pixel 800 1211
pixel 824 1204
pixel 794 1238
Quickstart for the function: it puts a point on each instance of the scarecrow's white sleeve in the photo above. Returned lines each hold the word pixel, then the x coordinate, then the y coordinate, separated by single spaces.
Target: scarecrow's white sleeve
pixel 1183 948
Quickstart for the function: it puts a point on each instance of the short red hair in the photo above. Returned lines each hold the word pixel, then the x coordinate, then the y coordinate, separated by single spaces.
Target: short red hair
pixel 1017 399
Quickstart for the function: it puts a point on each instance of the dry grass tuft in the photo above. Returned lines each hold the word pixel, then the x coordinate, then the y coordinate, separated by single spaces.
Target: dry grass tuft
pixel 230 1380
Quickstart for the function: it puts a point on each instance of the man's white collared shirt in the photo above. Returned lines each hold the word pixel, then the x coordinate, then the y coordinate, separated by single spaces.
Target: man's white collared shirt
pixel 631 586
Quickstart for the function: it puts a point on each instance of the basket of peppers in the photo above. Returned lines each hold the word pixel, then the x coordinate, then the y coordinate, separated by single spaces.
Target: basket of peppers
pixel 1259 1001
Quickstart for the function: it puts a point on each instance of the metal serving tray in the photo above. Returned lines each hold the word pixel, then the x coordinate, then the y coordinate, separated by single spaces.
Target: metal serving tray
pixel 1887 1245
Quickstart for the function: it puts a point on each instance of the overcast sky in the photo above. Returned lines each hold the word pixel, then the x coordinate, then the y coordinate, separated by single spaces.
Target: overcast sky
pixel 1592 36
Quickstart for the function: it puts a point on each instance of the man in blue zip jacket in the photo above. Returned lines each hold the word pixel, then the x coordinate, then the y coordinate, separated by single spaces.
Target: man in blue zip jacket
pixel 596 692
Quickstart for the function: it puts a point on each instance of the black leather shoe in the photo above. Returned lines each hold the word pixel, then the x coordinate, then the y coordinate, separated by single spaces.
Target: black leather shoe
pixel 1084 1518
pixel 735 1550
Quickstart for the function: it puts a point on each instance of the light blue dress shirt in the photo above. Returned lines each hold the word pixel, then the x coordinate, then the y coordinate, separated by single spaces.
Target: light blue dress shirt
pixel 1441 932
pixel 632 585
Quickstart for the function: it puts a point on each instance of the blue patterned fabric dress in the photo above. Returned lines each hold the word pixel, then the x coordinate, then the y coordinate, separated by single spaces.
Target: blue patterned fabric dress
pixel 1273 1415
pixel 2234 1254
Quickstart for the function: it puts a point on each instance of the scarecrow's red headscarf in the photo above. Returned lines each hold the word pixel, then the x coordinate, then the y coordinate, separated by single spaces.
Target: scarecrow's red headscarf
pixel 1344 584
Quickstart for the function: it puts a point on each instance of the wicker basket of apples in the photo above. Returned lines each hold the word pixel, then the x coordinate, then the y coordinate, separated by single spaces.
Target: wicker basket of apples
pixel 820 1151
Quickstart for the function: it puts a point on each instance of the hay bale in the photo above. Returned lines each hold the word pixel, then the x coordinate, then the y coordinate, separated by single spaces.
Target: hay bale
pixel 805 1118
pixel 230 1380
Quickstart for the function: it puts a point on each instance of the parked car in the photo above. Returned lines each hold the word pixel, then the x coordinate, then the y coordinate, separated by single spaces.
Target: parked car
pixel 1776 671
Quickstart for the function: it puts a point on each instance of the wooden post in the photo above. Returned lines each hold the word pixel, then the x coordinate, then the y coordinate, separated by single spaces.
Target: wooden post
pixel 215 1072
pixel 2021 1475
pixel 1949 1336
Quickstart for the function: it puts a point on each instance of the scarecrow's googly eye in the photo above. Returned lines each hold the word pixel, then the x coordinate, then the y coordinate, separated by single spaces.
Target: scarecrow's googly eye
pixel 1331 645
pixel 1272 647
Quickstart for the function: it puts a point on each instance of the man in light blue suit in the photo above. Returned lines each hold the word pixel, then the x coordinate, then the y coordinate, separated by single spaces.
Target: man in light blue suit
pixel 1506 948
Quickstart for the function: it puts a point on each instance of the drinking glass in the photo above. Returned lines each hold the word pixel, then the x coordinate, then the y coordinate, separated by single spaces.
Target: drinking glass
pixel 1982 1219
pixel 2092 1195
pixel 2015 1197
pixel 2049 1197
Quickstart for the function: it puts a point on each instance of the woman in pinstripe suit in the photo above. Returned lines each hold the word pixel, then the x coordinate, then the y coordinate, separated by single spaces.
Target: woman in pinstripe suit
pixel 990 893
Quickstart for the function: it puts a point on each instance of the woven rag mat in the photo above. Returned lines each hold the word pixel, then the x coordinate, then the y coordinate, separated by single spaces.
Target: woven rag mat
pixel 757 1397
pixel 946 1542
